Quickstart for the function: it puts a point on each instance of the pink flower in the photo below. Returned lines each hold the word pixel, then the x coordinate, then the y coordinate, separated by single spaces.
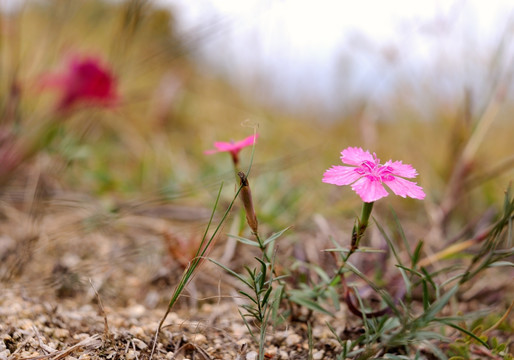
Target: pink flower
pixel 86 80
pixel 368 176
pixel 233 147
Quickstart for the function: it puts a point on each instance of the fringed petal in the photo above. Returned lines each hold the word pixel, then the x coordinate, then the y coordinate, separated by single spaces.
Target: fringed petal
pixel 403 188
pixel 369 189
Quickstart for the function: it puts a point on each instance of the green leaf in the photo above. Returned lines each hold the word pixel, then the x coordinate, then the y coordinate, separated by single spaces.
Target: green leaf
pixel 332 294
pixel 426 296
pixel 502 263
pixel 360 249
pixel 402 233
pixel 246 323
pixel 250 272
pixel 248 296
pixel 278 278
pixel 275 314
pixel 309 304
pixel 231 272
pixel 336 280
pixel 429 278
pixel 461 329
pixel 429 335
pixel 266 296
pixel 244 240
pixel 435 350
pixel 388 299
pixel 204 237
pixel 417 253
pixel 396 357
pixel 408 283
pixel 275 236
pixel 263 264
pixel 452 279
pixel 437 306
pixel 410 270
pixel 322 274
pixel 389 242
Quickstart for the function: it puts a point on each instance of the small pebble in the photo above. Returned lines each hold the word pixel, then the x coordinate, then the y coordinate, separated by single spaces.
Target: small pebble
pixel 28 354
pixel 137 331
pixel 293 339
pixel 41 319
pixel 272 350
pixel 318 355
pixel 252 355
pixel 321 333
pixel 61 333
pixel 136 311
pixel 238 330
pixel 199 339
pixel 152 299
pixel 139 344
pixel 131 354
pixel 81 336
pixel 4 354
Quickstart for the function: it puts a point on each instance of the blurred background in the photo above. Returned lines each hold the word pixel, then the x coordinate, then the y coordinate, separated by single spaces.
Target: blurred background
pixel 426 82
pixel 327 56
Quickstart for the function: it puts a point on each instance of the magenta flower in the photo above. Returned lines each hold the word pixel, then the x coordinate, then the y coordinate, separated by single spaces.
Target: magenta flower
pixel 233 147
pixel 86 80
pixel 367 176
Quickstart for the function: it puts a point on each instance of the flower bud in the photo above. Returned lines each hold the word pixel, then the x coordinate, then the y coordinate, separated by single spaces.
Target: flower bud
pixel 246 196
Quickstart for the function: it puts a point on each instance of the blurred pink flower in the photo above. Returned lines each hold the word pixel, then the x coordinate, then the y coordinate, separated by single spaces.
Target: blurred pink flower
pixel 233 147
pixel 86 80
pixel 368 176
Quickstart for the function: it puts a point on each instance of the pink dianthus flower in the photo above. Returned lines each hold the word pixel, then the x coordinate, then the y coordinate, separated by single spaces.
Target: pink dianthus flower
pixel 368 177
pixel 85 80
pixel 233 147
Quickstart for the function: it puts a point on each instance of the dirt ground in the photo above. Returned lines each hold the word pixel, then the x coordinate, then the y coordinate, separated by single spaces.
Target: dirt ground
pixel 35 329
pixel 80 280
pixel 83 278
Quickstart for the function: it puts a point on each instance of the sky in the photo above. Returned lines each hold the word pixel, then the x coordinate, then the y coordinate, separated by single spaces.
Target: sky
pixel 334 52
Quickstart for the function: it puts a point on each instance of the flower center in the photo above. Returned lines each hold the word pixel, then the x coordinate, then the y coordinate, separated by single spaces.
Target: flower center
pixel 375 171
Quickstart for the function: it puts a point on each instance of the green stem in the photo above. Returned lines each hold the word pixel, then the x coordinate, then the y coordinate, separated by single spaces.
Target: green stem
pixel 361 226
pixel 261 244
pixel 265 256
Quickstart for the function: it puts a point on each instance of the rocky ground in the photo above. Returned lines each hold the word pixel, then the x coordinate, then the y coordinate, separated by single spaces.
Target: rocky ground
pixel 34 329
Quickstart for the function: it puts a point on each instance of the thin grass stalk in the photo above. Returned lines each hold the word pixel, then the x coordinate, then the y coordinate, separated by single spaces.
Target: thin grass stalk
pixel 189 271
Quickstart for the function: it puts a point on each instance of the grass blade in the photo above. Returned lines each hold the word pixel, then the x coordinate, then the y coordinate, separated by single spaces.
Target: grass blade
pixel 231 272
pixel 309 304
pixel 275 236
pixel 430 314
pixel 389 242
pixel 244 240
pixel 461 329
